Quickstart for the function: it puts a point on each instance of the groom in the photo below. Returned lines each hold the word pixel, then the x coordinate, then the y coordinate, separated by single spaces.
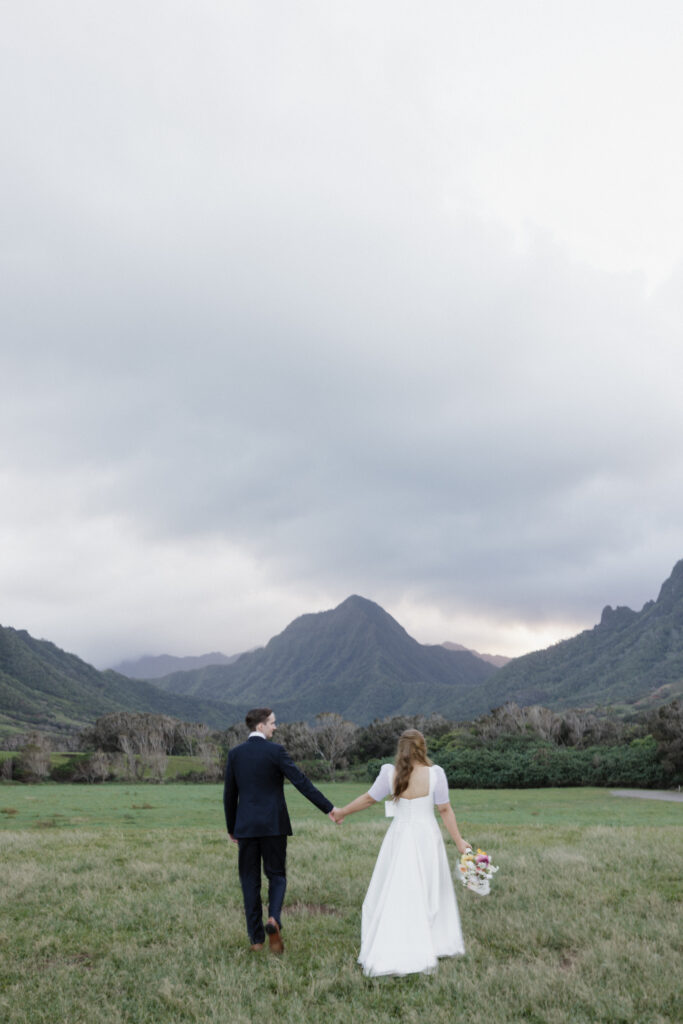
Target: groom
pixel 258 821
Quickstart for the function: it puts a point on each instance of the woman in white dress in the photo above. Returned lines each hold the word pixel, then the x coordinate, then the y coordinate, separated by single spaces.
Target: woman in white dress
pixel 410 915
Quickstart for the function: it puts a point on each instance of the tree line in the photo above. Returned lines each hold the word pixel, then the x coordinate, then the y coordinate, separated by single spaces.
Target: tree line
pixel 510 747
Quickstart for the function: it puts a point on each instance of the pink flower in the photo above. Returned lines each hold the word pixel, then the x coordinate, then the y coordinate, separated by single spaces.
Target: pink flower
pixel 482 858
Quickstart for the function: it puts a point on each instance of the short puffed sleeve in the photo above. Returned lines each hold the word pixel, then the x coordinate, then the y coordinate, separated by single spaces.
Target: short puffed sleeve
pixel 440 785
pixel 381 787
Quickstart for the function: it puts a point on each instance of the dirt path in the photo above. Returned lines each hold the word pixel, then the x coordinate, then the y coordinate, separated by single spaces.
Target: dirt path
pixel 649 794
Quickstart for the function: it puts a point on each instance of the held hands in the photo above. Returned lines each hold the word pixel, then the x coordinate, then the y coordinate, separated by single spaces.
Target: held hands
pixel 359 804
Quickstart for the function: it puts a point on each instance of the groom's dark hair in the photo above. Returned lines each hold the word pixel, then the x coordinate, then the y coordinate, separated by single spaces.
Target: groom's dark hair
pixel 257 715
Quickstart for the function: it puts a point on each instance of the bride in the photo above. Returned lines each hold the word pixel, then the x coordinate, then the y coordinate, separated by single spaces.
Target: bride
pixel 410 915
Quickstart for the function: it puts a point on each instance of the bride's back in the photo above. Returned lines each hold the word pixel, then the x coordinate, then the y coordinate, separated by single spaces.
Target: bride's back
pixel 418 783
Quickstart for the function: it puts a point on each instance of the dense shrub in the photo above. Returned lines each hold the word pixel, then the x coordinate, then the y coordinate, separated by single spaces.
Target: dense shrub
pixel 666 725
pixel 510 766
pixel 95 766
pixel 379 738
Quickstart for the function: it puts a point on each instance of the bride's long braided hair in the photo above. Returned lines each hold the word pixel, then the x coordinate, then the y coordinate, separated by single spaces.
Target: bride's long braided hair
pixel 411 750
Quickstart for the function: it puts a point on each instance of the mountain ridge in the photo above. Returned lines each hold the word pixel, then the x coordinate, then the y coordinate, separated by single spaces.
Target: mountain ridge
pixel 629 660
pixel 354 659
pixel 357 660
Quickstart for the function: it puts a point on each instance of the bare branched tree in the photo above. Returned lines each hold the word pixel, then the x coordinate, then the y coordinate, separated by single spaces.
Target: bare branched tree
pixel 298 739
pixel 333 737
pixel 569 728
pixel 207 751
pixel 34 757
pixel 233 735
pixel 119 766
pixel 129 762
pixel 96 767
pixel 185 741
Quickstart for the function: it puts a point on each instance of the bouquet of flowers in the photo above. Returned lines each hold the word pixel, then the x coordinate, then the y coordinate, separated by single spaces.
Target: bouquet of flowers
pixel 476 871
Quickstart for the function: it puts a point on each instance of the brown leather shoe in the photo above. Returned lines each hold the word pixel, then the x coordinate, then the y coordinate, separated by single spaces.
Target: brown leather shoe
pixel 274 937
pixel 256 947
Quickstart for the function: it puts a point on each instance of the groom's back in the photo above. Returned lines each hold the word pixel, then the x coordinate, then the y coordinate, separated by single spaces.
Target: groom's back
pixel 256 765
pixel 255 778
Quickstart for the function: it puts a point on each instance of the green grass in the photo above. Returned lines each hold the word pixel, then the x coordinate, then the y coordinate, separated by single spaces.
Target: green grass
pixel 116 912
pixel 154 806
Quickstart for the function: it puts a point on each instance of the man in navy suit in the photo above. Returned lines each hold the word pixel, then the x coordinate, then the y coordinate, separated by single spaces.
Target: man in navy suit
pixel 258 821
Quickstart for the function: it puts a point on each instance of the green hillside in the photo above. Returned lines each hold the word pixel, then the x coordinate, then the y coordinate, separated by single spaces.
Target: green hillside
pixel 629 661
pixel 43 687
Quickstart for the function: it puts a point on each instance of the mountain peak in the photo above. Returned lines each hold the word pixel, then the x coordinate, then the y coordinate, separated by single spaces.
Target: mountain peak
pixel 672 589
pixel 360 604
pixel 362 613
pixel 356 601
pixel 617 618
pixel 354 616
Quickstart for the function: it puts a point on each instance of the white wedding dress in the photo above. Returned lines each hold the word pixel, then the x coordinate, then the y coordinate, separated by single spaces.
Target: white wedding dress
pixel 410 915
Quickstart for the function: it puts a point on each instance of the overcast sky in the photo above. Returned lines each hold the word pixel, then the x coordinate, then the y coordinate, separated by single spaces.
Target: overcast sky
pixel 304 299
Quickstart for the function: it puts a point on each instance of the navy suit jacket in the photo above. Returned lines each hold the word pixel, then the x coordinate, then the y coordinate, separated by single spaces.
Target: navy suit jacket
pixel 253 795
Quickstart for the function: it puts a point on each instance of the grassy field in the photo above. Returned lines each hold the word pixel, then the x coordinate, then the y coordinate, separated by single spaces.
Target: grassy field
pixel 122 904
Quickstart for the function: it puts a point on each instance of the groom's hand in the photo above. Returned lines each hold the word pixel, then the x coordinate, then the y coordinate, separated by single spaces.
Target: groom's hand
pixel 336 816
pixel 232 838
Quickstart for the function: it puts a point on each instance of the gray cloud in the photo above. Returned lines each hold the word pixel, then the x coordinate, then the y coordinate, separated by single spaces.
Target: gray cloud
pixel 263 337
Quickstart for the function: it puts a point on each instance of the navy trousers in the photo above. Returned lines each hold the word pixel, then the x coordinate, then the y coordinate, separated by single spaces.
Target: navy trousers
pixel 271 851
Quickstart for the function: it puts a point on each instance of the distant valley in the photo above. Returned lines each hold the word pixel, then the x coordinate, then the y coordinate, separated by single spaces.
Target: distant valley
pixel 493 659
pixel 160 665
pixel 156 666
